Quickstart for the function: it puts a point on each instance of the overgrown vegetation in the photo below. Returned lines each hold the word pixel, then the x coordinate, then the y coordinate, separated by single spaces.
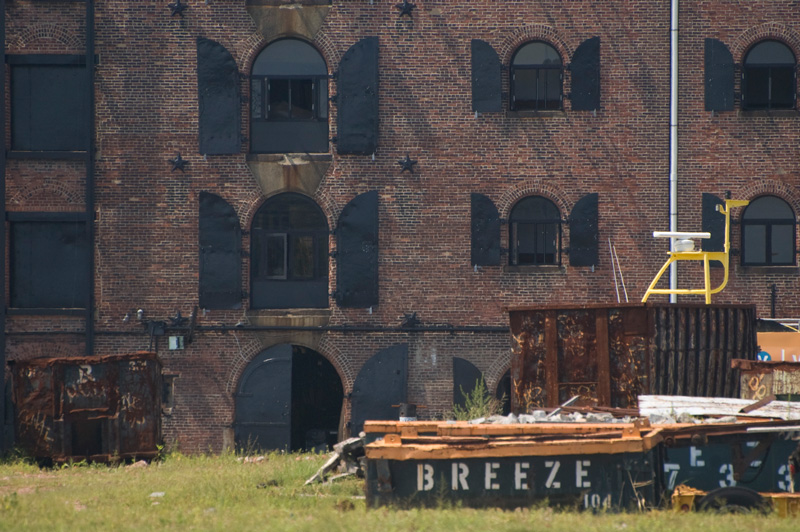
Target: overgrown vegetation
pixel 232 493
pixel 478 403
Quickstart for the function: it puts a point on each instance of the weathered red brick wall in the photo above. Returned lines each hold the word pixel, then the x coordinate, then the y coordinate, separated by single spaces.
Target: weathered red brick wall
pixel 146 216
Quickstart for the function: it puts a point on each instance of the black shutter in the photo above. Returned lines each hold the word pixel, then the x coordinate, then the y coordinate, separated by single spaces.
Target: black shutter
pixel 218 97
pixel 381 383
pixel 357 98
pixel 714 223
pixel 585 68
pixel 485 231
pixel 357 252
pixel 583 237
pixel 486 78
pixel 465 379
pixel 220 254
pixel 719 76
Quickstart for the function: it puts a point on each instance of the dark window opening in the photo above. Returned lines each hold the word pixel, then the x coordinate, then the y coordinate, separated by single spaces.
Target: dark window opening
pixel 536 78
pixel 49 103
pixel 289 99
pixel 49 264
pixel 768 77
pixel 768 233
pixel 535 232
pixel 289 251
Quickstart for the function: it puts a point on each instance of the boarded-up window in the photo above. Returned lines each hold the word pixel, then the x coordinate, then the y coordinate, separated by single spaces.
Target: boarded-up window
pixel 49 103
pixel 49 261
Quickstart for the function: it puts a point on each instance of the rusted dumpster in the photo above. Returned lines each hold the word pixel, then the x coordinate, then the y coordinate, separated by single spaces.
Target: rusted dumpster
pixel 592 466
pixel 761 379
pixel 88 408
pixel 608 355
pixel 627 465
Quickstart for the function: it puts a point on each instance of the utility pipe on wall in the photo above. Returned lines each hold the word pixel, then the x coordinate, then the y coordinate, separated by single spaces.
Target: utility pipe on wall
pixel 673 142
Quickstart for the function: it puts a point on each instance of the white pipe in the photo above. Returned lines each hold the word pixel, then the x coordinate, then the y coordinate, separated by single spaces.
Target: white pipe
pixel 673 142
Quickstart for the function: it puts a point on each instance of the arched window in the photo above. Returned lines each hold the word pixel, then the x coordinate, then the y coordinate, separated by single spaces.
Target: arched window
pixel 289 252
pixel 768 233
pixel 536 77
pixel 535 232
pixel 768 77
pixel 289 99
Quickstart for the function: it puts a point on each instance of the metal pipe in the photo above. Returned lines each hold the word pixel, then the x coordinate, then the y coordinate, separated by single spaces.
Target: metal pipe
pixel 90 194
pixel 673 142
pixel 262 328
pixel 773 299
pixel 3 215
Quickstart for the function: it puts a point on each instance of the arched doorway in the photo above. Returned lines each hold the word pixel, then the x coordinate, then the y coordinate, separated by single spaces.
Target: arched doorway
pixel 290 398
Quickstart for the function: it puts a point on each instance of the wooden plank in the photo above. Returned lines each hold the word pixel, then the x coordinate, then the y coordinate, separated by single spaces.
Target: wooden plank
pixel 464 428
pixel 758 404
pixel 378 450
pixel 673 405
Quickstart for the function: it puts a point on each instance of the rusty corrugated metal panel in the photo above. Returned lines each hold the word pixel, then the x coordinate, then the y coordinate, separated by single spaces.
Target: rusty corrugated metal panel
pixel 98 408
pixel 760 379
pixel 610 355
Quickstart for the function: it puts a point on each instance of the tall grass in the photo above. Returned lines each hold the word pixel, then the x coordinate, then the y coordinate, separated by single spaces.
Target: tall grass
pixel 226 493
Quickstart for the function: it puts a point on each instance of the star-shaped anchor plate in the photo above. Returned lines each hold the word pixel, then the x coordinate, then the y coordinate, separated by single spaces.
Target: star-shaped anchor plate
pixel 406 8
pixel 407 164
pixel 177 8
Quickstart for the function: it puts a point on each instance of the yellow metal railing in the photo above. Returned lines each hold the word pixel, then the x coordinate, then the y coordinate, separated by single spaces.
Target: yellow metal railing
pixel 705 256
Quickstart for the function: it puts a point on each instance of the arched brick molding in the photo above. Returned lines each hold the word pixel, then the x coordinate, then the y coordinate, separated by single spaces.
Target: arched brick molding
pixel 253 347
pixel 533 188
pixel 535 32
pixel 246 352
pixel 764 187
pixel 51 188
pixel 328 205
pixel 47 38
pixel 772 30
pixel 497 369
pixel 253 46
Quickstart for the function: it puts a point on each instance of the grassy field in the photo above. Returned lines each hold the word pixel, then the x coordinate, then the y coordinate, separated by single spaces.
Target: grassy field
pixel 230 494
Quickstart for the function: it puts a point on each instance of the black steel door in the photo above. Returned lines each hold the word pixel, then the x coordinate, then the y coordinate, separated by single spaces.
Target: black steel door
pixel 380 384
pixel 264 401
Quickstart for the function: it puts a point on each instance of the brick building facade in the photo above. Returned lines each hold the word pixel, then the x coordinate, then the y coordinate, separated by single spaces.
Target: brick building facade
pixel 349 193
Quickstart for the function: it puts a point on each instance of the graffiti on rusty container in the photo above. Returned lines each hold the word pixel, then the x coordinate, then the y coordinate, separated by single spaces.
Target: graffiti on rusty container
pixel 98 408
pixel 608 356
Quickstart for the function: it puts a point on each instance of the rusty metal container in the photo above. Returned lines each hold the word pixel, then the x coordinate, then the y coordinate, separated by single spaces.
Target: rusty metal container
pixel 760 379
pixel 88 408
pixel 608 355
